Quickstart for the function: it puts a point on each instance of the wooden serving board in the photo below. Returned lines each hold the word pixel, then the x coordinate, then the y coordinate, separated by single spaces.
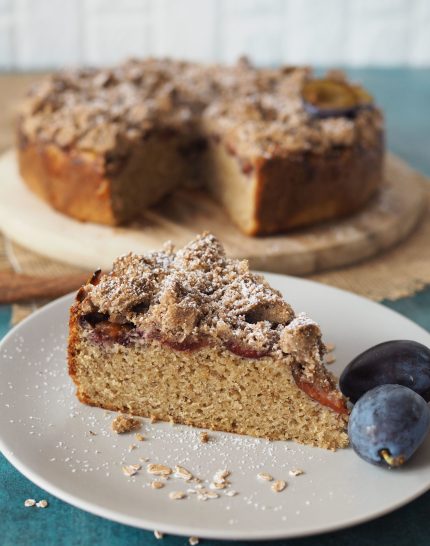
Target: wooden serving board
pixel 385 221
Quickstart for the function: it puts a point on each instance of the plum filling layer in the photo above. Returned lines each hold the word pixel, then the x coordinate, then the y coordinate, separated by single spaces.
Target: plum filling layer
pixel 106 332
pixel 321 393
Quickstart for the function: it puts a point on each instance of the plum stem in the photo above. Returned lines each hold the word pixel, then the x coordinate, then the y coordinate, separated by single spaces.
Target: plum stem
pixel 390 460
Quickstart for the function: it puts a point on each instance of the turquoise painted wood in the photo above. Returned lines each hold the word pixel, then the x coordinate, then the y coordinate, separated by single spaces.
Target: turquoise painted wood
pixel 404 94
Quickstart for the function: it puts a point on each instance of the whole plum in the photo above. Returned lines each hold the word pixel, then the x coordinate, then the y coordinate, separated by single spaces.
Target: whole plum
pixel 388 424
pixel 400 362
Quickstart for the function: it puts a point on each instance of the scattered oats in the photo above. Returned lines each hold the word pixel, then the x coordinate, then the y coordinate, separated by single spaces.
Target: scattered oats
pixel 144 459
pixel 278 486
pixel 204 437
pixel 29 502
pixel 131 447
pixel 131 469
pixel 191 491
pixel 330 347
pixel 139 437
pixel 205 494
pixel 231 493
pixel 183 473
pixel 193 541
pixel 217 485
pixel 158 469
pixel 296 472
pixel 265 476
pixel 157 485
pixel 158 535
pixel 221 475
pixel 42 504
pixel 211 495
pixel 177 495
pixel 329 359
pixel 125 423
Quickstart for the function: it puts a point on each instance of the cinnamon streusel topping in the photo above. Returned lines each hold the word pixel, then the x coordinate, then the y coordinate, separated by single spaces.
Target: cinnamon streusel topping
pixel 198 293
pixel 260 110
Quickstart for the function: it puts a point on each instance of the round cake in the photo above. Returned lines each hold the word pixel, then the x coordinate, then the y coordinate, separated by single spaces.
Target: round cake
pixel 277 148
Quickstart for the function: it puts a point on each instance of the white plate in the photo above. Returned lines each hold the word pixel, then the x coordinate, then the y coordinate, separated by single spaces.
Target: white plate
pixel 44 432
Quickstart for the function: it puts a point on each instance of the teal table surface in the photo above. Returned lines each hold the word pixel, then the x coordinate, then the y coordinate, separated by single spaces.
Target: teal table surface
pixel 404 94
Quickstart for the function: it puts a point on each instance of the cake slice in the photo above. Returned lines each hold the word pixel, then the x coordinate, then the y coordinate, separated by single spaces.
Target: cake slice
pixel 194 337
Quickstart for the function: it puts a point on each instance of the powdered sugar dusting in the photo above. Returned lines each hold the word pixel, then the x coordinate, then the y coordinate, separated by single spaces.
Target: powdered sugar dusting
pixel 191 294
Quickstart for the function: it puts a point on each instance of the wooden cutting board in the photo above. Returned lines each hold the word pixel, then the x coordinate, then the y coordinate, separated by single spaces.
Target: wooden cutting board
pixel 385 221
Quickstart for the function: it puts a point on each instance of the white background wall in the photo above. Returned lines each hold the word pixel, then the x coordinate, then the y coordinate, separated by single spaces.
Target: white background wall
pixel 37 34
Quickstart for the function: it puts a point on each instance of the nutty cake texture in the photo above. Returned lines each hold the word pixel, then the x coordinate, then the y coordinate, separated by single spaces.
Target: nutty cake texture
pixel 103 145
pixel 194 337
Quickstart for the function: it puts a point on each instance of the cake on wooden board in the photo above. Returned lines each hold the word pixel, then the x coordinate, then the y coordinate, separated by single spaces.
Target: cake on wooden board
pixel 277 148
pixel 194 337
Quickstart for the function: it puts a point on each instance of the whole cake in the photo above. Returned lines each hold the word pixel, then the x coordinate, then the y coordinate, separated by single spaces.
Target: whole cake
pixel 195 338
pixel 277 148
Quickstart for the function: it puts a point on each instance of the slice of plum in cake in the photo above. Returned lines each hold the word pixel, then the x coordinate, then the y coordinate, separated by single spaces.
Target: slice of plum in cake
pixel 194 337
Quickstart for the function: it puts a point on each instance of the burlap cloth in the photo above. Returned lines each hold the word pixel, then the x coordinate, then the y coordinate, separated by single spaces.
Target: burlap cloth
pixel 399 272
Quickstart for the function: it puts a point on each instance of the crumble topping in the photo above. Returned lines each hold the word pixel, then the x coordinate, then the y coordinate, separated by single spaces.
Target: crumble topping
pixel 193 294
pixel 109 110
pixel 197 296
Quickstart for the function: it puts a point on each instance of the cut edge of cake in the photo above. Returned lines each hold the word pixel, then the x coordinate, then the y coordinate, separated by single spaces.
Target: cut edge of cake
pixel 194 337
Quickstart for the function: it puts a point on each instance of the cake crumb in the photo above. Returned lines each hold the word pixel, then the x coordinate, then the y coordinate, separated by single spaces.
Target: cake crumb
pixel 193 541
pixel 177 495
pixel 296 472
pixel 265 476
pixel 158 535
pixel 158 469
pixel 329 359
pixel 42 503
pixel 330 347
pixel 278 486
pixel 139 437
pixel 131 447
pixel 153 419
pixel 157 485
pixel 204 437
pixel 125 423
pixel 29 502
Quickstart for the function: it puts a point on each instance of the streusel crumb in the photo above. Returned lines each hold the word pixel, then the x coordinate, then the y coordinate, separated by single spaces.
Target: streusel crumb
pixel 125 423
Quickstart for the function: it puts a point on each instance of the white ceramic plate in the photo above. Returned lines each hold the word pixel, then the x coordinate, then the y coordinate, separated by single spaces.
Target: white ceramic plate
pixel 44 432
